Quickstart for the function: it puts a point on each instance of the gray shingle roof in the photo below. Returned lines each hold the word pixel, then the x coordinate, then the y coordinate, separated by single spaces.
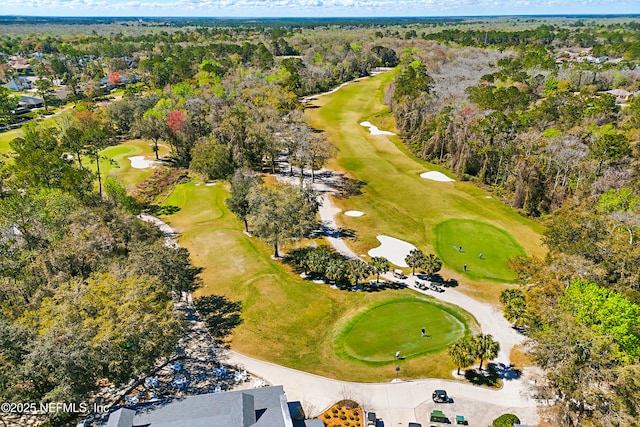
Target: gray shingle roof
pixel 261 407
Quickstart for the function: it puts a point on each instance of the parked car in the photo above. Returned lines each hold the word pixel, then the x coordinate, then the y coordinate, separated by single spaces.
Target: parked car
pixel 440 396
pixel 371 419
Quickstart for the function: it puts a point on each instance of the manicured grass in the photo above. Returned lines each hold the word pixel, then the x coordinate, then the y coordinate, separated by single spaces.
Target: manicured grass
pixel 395 325
pixel 397 202
pixel 115 161
pixel 475 238
pixel 6 138
pixel 285 319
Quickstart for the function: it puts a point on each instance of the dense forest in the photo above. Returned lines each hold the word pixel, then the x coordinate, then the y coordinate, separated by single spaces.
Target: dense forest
pixel 542 114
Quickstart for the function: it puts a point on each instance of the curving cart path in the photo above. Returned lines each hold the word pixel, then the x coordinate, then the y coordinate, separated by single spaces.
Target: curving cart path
pixel 400 402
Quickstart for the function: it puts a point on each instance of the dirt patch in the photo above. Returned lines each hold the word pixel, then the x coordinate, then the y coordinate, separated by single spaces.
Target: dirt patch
pixel 345 413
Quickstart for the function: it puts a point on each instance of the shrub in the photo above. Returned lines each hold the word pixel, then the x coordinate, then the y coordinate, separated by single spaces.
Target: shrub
pixel 505 420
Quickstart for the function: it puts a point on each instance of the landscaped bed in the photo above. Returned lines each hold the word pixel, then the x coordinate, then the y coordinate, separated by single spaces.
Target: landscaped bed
pixel 345 413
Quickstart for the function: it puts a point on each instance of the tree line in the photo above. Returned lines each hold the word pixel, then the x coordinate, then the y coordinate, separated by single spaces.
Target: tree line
pixel 522 130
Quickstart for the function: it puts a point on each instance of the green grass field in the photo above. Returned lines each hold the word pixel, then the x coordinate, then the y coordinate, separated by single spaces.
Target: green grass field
pixel 395 325
pixel 115 161
pixel 397 202
pixel 285 319
pixel 6 138
pixel 475 238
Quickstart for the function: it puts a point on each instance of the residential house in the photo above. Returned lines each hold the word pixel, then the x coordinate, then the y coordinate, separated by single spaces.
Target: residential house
pixel 31 101
pixel 259 407
pixel 622 96
pixel 18 84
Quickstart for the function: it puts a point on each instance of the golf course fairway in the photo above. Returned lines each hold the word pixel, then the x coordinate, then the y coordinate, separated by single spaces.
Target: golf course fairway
pixel 397 202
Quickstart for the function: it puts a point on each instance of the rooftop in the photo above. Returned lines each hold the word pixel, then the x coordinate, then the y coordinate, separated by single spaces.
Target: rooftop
pixel 261 407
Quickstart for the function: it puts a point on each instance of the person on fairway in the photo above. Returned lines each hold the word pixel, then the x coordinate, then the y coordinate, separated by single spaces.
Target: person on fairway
pixel 423 331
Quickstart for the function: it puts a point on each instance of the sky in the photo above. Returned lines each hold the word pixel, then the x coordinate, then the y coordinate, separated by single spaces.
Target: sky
pixel 314 8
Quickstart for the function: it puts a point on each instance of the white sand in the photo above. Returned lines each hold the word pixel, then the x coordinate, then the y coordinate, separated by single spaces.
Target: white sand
pixel 210 184
pixel 374 129
pixel 139 162
pixel 354 213
pixel 436 176
pixel 395 250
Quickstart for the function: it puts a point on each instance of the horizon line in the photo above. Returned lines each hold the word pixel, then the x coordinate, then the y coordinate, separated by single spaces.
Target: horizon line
pixel 530 15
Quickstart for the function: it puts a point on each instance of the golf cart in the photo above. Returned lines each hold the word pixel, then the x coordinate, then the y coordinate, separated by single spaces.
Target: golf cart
pixel 399 274
pixel 440 396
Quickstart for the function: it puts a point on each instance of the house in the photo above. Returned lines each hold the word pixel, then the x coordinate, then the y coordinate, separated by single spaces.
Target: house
pixel 21 68
pixel 259 407
pixel 18 84
pixel 31 101
pixel 622 96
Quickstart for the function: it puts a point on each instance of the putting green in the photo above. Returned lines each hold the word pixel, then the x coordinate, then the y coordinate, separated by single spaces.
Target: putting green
pixel 375 335
pixel 475 238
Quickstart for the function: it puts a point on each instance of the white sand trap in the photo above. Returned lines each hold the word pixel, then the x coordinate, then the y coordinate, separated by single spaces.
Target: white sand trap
pixel 436 176
pixel 210 184
pixel 374 129
pixel 395 250
pixel 139 162
pixel 488 197
pixel 354 213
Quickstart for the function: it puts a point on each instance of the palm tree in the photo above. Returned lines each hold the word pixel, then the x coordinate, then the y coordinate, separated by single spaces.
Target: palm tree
pixel 318 259
pixel 485 347
pixel 415 259
pixel 432 265
pixel 461 353
pixel 357 270
pixel 335 269
pixel 378 265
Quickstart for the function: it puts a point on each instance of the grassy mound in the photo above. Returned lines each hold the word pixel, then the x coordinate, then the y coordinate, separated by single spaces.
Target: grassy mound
pixel 475 238
pixel 395 325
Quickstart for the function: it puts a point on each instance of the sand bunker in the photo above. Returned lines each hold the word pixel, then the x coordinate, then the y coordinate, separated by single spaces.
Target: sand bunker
pixel 354 213
pixel 395 250
pixel 374 129
pixel 139 162
pixel 210 184
pixel 436 176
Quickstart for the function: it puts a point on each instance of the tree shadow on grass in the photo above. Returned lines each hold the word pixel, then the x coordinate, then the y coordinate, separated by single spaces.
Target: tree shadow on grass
pixel 488 377
pixel 220 314
pixel 348 187
pixel 161 210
